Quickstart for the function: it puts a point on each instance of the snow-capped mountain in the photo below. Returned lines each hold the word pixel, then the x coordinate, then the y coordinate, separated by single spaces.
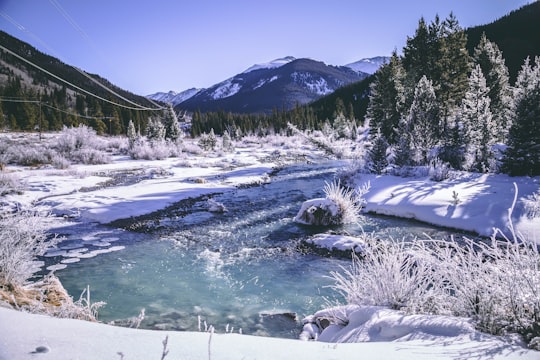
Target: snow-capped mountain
pixel 278 84
pixel 369 65
pixel 173 97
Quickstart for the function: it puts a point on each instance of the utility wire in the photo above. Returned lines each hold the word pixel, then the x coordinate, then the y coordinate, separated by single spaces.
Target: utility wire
pixel 22 100
pixel 72 22
pixel 139 107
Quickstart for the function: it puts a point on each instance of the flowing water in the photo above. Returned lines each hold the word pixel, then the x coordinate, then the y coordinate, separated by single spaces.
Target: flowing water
pixel 244 268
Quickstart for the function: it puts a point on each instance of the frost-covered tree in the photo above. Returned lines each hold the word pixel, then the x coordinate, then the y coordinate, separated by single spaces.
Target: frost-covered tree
pixel 342 127
pixel 377 158
pixel 387 98
pixel 523 154
pixel 423 121
pixel 227 144
pixel 155 131
pixel 131 134
pixel 172 126
pixel 478 130
pixel 491 61
pixel 208 141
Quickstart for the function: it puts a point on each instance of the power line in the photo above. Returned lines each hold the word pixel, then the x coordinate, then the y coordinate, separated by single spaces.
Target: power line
pixel 138 108
pixel 22 100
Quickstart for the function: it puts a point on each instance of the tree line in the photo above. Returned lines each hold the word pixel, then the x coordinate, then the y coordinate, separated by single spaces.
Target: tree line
pixel 438 102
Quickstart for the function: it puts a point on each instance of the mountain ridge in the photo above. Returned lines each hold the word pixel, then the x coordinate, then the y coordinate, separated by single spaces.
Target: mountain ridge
pixel 309 80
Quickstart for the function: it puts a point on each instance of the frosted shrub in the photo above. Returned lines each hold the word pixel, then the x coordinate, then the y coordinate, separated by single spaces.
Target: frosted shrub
pixel 349 201
pixel 341 206
pixel 10 184
pixel 60 162
pixel 22 238
pixel 27 155
pixel 75 138
pixel 157 150
pixel 394 274
pixel 496 283
pixel 90 156
pixel 439 170
pixel 532 205
pixel 82 145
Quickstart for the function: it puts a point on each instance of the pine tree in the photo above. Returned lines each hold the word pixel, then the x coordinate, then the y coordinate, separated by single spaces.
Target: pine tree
pixel 478 130
pixel 491 61
pixel 155 131
pixel 342 127
pixel 131 134
pixel 453 66
pixel 377 160
pixel 523 154
pixel 387 98
pixel 227 144
pixel 423 121
pixel 172 126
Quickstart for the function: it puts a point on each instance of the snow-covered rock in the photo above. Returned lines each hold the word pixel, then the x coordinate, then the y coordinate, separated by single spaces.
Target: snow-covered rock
pixel 320 211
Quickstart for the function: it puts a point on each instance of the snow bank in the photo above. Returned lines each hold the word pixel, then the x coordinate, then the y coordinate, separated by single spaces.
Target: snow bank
pixel 42 337
pixel 472 202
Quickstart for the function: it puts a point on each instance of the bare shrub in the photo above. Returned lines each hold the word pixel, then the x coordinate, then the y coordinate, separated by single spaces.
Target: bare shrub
pixel 349 201
pixel 82 145
pixel 496 283
pixel 10 184
pixel 23 237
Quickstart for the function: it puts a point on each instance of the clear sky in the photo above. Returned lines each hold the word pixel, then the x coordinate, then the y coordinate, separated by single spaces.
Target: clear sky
pixel 161 45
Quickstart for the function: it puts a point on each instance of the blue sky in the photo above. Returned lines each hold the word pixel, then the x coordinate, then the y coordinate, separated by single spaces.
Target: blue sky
pixel 162 45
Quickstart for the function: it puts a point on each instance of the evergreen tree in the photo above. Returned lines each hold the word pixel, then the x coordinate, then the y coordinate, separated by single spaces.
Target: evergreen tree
pixel 227 144
pixel 453 66
pixel 131 134
pixel 387 98
pixel 491 61
pixel 477 124
pixel 172 126
pixel 423 121
pixel 523 154
pixel 418 53
pixel 155 131
pixel 377 160
pixel 342 127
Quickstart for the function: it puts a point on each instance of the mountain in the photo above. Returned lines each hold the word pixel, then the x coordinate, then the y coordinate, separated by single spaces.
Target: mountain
pixel 173 97
pixel 272 64
pixel 369 65
pixel 517 35
pixel 279 84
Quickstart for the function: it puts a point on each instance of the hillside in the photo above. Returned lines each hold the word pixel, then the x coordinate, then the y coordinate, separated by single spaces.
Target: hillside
pixel 23 87
pixel 517 35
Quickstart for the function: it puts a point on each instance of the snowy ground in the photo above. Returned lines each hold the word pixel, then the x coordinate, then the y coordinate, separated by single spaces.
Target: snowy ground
pixel 480 203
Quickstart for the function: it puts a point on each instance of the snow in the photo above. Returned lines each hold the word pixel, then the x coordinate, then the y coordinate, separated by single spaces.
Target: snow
pixel 271 64
pixel 368 65
pixel 173 97
pixel 390 335
pixel 471 201
pixel 225 89
pixel 481 203
pixel 318 86
pixel 337 242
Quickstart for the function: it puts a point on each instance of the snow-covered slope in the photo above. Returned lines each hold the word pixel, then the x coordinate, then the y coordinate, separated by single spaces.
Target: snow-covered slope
pixel 280 83
pixel 271 64
pixel 173 97
pixel 368 65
